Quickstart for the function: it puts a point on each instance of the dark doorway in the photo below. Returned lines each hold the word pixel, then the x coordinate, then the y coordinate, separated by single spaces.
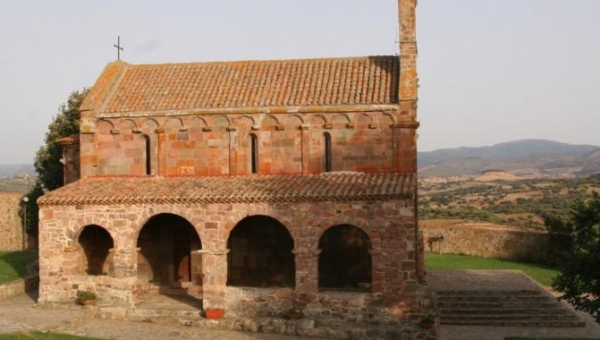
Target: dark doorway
pixel 345 261
pixel 96 243
pixel 168 252
pixel 260 254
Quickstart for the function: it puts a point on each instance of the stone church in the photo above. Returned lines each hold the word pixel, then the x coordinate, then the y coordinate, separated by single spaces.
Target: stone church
pixel 255 186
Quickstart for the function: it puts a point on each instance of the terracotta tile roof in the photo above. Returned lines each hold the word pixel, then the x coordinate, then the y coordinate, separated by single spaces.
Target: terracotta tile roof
pixel 334 81
pixel 335 186
pixel 70 140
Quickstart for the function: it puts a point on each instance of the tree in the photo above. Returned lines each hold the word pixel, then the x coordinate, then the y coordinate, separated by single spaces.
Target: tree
pixel 47 162
pixel 66 123
pixel 579 280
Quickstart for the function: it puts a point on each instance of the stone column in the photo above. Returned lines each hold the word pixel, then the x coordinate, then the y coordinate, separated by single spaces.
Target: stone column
pixel 405 156
pixel 214 278
pixel 233 143
pixel 305 148
pixel 307 274
pixel 161 138
pixel 125 262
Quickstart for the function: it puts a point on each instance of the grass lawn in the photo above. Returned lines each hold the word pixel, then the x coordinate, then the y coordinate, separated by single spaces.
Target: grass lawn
pixel 13 264
pixel 541 273
pixel 42 336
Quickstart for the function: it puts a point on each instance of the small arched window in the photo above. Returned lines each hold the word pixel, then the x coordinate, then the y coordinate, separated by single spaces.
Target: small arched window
pixel 254 153
pixel 327 151
pixel 147 151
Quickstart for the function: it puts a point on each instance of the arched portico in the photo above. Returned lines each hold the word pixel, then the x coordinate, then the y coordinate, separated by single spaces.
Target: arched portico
pixel 345 261
pixel 168 252
pixel 260 254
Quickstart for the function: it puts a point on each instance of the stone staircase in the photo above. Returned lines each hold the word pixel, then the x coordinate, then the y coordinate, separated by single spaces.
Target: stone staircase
pixel 526 308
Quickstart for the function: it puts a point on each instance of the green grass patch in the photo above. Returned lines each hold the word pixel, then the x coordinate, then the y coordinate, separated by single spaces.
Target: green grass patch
pixel 541 273
pixel 13 264
pixel 42 336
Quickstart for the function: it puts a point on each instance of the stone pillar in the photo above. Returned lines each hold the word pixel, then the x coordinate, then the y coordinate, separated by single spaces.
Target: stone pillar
pixel 305 148
pixel 377 277
pixel 307 270
pixel 161 138
pixel 405 156
pixel 125 262
pixel 214 278
pixel 88 157
pixel 233 143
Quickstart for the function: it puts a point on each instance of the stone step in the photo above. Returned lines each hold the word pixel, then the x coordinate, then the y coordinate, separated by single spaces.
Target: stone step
pixel 512 323
pixel 504 308
pixel 308 327
pixel 527 310
pixel 510 293
pixel 523 317
pixel 492 305
pixel 495 298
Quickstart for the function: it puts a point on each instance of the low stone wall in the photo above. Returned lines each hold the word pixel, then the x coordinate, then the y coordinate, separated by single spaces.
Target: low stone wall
pixel 18 287
pixel 485 239
pixel 11 227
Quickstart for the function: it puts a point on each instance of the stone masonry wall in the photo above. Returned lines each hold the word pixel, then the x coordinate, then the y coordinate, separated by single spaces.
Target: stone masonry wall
pixel 220 144
pixel 11 227
pixel 485 239
pixel 389 224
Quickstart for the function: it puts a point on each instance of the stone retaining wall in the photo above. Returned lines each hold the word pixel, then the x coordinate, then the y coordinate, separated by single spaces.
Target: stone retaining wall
pixel 11 227
pixel 18 287
pixel 485 239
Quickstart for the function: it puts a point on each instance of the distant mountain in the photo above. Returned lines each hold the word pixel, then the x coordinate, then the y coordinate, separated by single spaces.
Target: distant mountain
pixel 530 158
pixel 10 170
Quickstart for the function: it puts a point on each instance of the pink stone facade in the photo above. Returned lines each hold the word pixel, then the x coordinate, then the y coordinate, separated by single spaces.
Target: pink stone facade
pixel 212 145
pixel 390 226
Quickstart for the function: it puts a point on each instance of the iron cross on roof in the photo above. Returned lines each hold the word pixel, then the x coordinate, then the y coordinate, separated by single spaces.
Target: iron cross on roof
pixel 118 47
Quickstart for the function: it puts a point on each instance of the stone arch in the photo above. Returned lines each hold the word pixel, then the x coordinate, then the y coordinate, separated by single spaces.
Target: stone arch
pixel 318 121
pixel 260 253
pixel 169 252
pixel 149 125
pixel 269 121
pixel 345 261
pixel 219 122
pixel 363 121
pixel 340 120
pixel 95 244
pixel 128 125
pixel 387 118
pixel 105 126
pixel 197 122
pixel 174 123
pixel 293 121
pixel 244 121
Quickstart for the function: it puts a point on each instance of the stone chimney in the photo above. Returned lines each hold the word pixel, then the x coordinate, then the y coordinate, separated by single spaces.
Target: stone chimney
pixel 407 89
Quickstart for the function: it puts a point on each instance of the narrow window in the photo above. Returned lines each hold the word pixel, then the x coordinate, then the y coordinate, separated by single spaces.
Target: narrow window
pixel 148 160
pixel 254 153
pixel 327 138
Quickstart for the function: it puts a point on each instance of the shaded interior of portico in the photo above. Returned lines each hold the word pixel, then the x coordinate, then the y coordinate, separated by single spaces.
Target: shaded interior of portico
pixel 260 254
pixel 168 256
pixel 95 243
pixel 345 261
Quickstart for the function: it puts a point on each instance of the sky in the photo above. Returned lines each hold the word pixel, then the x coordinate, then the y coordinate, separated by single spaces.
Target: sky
pixel 490 71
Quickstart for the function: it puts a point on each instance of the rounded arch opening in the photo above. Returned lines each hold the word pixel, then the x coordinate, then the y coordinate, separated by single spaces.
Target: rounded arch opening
pixel 260 254
pixel 345 261
pixel 96 243
pixel 168 251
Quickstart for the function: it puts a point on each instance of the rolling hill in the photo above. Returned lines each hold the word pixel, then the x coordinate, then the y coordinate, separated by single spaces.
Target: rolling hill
pixel 526 158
